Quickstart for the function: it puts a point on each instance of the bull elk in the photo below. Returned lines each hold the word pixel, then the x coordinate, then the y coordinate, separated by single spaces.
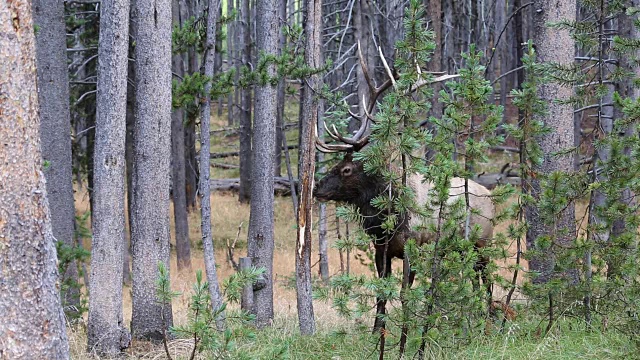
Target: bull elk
pixel 347 182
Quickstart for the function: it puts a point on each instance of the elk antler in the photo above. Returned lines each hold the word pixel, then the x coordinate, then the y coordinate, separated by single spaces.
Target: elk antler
pixel 359 140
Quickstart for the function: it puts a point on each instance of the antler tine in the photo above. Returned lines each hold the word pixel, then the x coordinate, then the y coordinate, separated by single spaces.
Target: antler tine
pixel 386 67
pixel 330 133
pixel 332 148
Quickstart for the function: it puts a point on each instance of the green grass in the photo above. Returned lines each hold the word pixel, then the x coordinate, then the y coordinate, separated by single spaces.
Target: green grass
pixel 568 340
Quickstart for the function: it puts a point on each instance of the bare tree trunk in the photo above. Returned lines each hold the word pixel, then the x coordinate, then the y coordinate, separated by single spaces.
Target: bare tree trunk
pixel 183 244
pixel 55 127
pixel 557 46
pixel 152 154
pixel 245 107
pixel 131 100
pixel 245 111
pixel 231 30
pixel 260 241
pixel 32 325
pixel 191 166
pixel 205 141
pixel 280 131
pixel 323 242
pixel 106 333
pixel 313 48
pixel 434 10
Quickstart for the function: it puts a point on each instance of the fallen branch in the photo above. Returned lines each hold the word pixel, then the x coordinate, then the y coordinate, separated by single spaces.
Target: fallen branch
pixel 281 185
pixel 237 153
pixel 235 129
pixel 225 166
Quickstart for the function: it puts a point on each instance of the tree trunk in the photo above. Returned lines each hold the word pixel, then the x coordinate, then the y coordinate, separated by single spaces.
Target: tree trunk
pixel 313 47
pixel 260 240
pixel 557 46
pixel 183 244
pixel 55 127
pixel 323 241
pixel 152 154
pixel 191 166
pixel 105 332
pixel 280 130
pixel 626 89
pixel 205 141
pixel 131 100
pixel 435 14
pixel 231 26
pixel 33 325
pixel 245 105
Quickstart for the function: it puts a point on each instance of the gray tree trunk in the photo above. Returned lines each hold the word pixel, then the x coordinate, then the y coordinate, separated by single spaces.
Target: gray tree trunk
pixel 205 143
pixel 183 244
pixel 230 60
pixel 313 48
pixel 131 100
pixel 434 10
pixel 105 332
pixel 557 46
pixel 245 105
pixel 323 241
pixel 152 154
pixel 194 9
pixel 55 127
pixel 32 325
pixel 260 241
pixel 280 133
pixel 626 89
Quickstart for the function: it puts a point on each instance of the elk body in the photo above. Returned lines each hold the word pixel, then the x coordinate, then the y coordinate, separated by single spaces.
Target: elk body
pixel 348 182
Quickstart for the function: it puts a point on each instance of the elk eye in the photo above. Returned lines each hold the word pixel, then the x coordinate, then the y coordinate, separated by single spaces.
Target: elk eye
pixel 346 171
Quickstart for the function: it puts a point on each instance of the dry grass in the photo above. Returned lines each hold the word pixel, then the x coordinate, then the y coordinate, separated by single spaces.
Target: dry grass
pixel 227 215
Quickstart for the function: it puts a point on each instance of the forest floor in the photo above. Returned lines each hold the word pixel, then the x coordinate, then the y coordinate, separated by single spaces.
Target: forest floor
pixel 337 338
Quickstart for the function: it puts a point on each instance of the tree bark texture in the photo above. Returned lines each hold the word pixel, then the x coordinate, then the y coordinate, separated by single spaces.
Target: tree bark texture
pixel 152 154
pixel 131 102
pixel 626 89
pixel 178 171
pixel 105 333
pixel 280 130
pixel 313 47
pixel 260 240
pixel 557 46
pixel 323 240
pixel 245 106
pixel 205 143
pixel 55 127
pixel 32 325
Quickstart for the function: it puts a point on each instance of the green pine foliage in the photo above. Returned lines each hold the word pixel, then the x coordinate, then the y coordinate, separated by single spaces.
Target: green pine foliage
pixel 201 325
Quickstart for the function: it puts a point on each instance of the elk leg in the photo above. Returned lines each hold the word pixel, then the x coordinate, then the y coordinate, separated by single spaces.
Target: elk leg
pixel 407 280
pixel 384 270
pixel 481 270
